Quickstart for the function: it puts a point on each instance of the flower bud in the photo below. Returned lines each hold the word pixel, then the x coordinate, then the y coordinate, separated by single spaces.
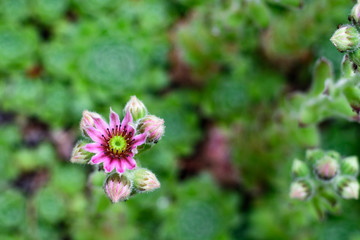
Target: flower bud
pixel 88 121
pixel 347 187
pixel 355 14
pixel 79 155
pixel 326 168
pixel 136 108
pixel 350 166
pixel 301 189
pixel 355 56
pixel 144 180
pixel 117 188
pixel 299 169
pixel 314 154
pixel 346 38
pixel 154 126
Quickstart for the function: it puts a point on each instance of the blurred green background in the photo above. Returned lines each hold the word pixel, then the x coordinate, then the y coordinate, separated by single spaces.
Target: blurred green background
pixel 220 72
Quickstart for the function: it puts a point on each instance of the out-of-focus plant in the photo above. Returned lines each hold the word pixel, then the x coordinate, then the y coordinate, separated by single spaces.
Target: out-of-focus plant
pixel 323 177
pixel 329 98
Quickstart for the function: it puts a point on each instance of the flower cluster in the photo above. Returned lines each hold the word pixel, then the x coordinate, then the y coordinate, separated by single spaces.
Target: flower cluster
pixel 112 147
pixel 325 175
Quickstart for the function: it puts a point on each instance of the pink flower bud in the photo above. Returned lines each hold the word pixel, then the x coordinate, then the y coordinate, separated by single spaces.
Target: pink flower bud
pixel 136 108
pixel 79 155
pixel 347 187
pixel 301 189
pixel 117 188
pixel 154 126
pixel 327 168
pixel 144 180
pixel 88 121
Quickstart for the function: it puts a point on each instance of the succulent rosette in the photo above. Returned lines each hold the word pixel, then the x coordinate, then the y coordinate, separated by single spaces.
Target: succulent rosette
pixel 114 143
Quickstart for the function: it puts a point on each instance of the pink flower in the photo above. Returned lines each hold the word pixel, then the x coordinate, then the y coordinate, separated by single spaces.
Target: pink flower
pixel 114 144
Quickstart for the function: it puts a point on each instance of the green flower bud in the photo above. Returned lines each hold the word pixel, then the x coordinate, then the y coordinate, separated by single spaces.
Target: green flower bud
pixel 79 155
pixel 299 169
pixel 314 154
pixel 350 166
pixel 301 189
pixel 326 168
pixel 136 108
pixel 347 187
pixel 144 180
pixel 355 14
pixel 346 38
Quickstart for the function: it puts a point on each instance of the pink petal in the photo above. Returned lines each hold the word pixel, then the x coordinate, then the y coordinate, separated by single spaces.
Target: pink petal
pixel 94 134
pixel 93 148
pixel 109 165
pixel 120 166
pixel 99 158
pixel 129 163
pixel 140 139
pixel 114 119
pixel 101 125
pixel 128 118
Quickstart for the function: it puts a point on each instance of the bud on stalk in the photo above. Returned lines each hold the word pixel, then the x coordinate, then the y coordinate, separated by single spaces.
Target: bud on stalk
pixel 136 108
pixel 299 169
pixel 347 187
pixel 350 166
pixel 346 38
pixel 301 189
pixel 154 126
pixel 326 168
pixel 355 14
pixel 88 121
pixel 144 180
pixel 117 188
pixel 79 155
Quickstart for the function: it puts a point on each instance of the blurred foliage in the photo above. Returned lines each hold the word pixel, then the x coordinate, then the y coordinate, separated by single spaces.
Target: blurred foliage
pixel 232 64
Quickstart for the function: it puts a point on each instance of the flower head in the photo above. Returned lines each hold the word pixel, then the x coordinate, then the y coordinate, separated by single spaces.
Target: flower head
pixel 115 143
pixel 154 126
pixel 117 188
